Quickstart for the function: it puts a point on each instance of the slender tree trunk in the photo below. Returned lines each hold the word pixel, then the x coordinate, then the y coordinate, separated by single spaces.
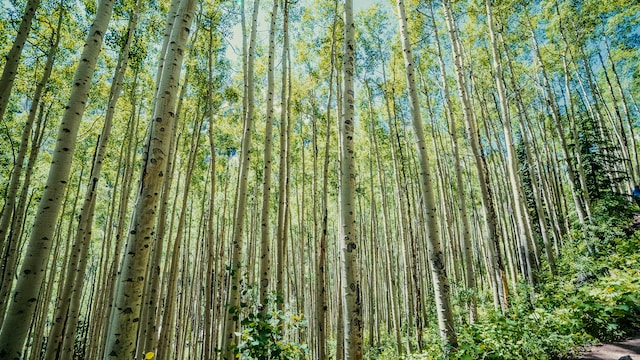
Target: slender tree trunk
pixel 283 196
pixel 122 212
pixel 265 249
pixel 497 276
pixel 9 230
pixel 168 326
pixel 211 267
pixel 470 281
pixel 10 69
pixel 235 265
pixel 152 296
pixel 352 285
pixel 512 161
pixel 436 260
pixel 321 263
pixel 125 314
pixel 66 318
pixel 21 310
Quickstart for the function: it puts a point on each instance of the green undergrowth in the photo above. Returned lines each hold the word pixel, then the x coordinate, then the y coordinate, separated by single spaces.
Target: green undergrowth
pixel 595 297
pixel 263 329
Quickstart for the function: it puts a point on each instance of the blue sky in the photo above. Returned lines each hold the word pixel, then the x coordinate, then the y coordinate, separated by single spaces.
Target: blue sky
pixel 364 4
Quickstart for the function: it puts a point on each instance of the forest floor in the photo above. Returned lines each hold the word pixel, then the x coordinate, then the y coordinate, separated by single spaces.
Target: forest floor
pixel 614 351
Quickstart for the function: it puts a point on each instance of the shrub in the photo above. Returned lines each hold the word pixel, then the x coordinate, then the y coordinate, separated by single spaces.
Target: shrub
pixel 262 333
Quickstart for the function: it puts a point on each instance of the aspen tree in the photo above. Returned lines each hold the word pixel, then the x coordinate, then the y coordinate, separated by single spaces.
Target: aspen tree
pixel 283 194
pixel 512 161
pixel 321 263
pixel 21 310
pixel 436 260
pixel 232 312
pixel 265 244
pixel 166 340
pixel 11 210
pixel 212 259
pixel 66 319
pixel 112 262
pixel 470 281
pixel 151 312
pixel 542 219
pixel 10 69
pixel 125 314
pixel 352 282
pixel 498 280
pixel 395 317
pixel 404 269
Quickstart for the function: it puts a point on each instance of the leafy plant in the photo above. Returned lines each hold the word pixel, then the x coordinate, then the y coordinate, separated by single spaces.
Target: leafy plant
pixel 262 332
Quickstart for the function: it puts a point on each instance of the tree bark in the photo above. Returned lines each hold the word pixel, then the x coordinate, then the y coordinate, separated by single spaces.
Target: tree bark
pixel 352 285
pixel 10 69
pixel 21 310
pixel 235 266
pixel 125 314
pixel 436 259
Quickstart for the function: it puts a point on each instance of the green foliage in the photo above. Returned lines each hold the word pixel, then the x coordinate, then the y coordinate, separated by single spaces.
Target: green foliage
pixel 537 333
pixel 611 308
pixel 595 297
pixel 262 332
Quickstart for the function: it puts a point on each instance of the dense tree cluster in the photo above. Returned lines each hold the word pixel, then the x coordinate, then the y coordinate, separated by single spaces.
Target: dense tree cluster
pixel 212 179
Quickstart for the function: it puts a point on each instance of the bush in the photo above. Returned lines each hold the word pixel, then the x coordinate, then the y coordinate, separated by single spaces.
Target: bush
pixel 569 313
pixel 262 333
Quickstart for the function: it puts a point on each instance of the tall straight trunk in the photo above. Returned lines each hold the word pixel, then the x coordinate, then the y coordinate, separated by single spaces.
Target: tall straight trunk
pixel 223 253
pixel 283 196
pixel 321 263
pixel 113 260
pixel 512 161
pixel 98 298
pixel 9 230
pixel 10 69
pixel 635 161
pixel 436 259
pixel 352 286
pixel 21 310
pixel 497 276
pixel 168 320
pixel 211 265
pixel 470 281
pixel 404 268
pixel 66 318
pixel 265 244
pixel 151 312
pixel 391 282
pixel 231 318
pixel 125 314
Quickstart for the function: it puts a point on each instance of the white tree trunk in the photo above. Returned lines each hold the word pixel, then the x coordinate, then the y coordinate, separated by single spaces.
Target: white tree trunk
pixel 125 313
pixel 21 310
pixel 352 285
pixel 436 259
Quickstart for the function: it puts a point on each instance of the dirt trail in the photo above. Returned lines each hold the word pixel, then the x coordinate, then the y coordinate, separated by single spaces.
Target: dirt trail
pixel 614 351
